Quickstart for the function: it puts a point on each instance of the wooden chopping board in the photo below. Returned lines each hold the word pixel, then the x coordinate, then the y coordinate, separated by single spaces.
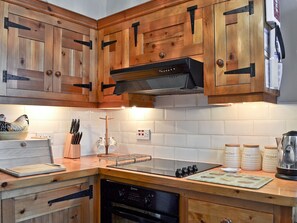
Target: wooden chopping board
pixel 33 169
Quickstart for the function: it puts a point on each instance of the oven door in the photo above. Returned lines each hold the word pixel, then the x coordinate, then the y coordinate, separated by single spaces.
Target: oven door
pixel 125 214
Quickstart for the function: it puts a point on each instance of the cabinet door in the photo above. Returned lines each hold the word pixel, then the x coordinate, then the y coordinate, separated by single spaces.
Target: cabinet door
pixel 115 53
pixel 71 63
pixel 239 49
pixel 37 206
pixel 201 211
pixel 166 34
pixel 30 55
pixel 49 58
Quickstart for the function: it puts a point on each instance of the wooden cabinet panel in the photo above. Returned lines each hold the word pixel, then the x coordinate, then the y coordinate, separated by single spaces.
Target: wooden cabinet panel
pixel 32 205
pixel 201 211
pixel 238 66
pixel 167 34
pixel 48 57
pixel 115 55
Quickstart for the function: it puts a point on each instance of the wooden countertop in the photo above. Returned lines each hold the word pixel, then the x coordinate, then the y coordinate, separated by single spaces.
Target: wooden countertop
pixel 278 191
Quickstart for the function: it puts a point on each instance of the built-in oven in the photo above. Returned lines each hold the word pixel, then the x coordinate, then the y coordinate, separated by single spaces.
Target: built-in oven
pixel 124 203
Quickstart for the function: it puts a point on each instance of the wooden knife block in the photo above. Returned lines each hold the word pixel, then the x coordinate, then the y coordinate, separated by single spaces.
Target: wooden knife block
pixel 71 151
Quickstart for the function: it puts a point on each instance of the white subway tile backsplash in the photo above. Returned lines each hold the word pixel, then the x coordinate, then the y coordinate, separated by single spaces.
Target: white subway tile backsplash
pixel 186 127
pixel 198 113
pixel 269 128
pixel 192 133
pixel 258 140
pixel 199 141
pixel 187 100
pixel 219 141
pixel 211 127
pixel 239 127
pixel 224 112
pixel 164 152
pixel 175 114
pixel 175 140
pixel 291 125
pixel 253 111
pixel 157 139
pixel 280 112
pixel 164 126
pixel 154 114
pixel 166 101
pixel 128 126
pixel 187 154
pixel 210 156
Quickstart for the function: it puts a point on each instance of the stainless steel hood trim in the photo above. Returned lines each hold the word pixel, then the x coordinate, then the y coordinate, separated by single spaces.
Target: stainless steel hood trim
pixel 182 76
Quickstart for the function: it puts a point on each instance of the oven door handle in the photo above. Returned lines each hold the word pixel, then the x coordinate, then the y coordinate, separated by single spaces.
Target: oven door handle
pixel 128 214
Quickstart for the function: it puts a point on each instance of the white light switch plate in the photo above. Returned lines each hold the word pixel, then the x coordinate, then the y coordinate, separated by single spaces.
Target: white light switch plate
pixel 143 134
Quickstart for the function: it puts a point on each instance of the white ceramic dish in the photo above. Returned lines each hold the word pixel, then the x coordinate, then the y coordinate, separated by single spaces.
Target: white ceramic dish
pixel 230 170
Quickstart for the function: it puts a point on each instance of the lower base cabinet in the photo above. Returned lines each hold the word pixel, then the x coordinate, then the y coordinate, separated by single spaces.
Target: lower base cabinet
pixel 61 202
pixel 206 212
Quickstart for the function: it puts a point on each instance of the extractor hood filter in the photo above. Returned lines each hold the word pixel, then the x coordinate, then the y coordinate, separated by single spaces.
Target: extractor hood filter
pixel 183 76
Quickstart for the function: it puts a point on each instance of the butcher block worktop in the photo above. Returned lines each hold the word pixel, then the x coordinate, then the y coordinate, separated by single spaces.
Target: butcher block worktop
pixel 278 191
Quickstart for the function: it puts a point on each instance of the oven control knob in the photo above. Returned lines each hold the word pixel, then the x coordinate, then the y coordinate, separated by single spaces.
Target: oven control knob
pixel 178 173
pixel 121 193
pixel 195 168
pixel 190 170
pixel 148 200
pixel 185 171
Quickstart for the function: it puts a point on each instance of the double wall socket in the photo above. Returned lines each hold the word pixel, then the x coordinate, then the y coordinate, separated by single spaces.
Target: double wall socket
pixel 143 134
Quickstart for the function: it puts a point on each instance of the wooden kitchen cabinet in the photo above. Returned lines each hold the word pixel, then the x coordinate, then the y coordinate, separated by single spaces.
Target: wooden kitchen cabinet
pixel 238 68
pixel 48 57
pixel 202 211
pixel 40 204
pixel 114 54
pixel 170 33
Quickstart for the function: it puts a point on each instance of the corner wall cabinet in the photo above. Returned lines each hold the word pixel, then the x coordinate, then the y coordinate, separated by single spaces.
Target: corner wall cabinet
pixel 48 57
pixel 227 36
pixel 65 201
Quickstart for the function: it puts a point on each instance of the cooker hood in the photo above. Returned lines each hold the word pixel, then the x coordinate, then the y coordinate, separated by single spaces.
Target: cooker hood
pixel 182 76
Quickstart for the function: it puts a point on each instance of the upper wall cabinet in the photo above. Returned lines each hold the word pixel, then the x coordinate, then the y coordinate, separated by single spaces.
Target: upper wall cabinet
pixel 48 58
pixel 114 54
pixel 169 33
pixel 238 68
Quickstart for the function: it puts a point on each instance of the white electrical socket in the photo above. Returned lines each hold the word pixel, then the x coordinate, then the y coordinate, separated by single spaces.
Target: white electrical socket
pixel 43 135
pixel 143 134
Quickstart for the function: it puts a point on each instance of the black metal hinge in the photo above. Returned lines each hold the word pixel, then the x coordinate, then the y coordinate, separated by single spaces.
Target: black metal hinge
pixel 83 193
pixel 248 8
pixel 191 10
pixel 104 44
pixel 105 86
pixel 88 86
pixel 135 26
pixel 8 24
pixel 86 43
pixel 247 70
pixel 7 77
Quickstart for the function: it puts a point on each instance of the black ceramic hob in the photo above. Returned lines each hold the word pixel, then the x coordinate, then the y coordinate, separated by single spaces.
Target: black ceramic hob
pixel 166 167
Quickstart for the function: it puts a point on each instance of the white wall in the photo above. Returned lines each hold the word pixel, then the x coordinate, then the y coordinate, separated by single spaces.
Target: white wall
pixel 288 91
pixel 96 9
pixel 91 8
pixel 114 6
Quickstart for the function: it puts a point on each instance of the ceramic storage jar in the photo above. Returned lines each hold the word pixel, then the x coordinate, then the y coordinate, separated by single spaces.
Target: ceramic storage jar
pixel 270 159
pixel 232 155
pixel 251 157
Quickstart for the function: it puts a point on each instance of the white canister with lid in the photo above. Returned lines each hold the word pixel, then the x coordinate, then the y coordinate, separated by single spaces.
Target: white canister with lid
pixel 270 159
pixel 232 155
pixel 251 157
